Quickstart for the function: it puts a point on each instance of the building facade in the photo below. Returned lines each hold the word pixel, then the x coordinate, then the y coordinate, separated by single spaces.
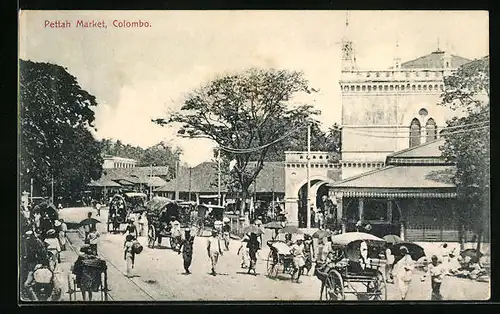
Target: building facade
pixel 118 162
pixel 384 111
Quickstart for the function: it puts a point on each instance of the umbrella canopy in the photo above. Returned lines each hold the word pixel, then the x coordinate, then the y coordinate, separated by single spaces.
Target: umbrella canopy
pixel 158 203
pixel 273 225
pixel 472 253
pixel 320 234
pixel 416 251
pixel 252 229
pixel 348 237
pixel 392 238
pixel 89 221
pixel 291 229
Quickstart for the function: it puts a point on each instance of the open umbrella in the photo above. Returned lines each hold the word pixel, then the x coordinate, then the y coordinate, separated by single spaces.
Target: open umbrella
pixel 252 229
pixel 348 237
pixel 472 253
pixel 291 229
pixel 273 225
pixel 415 250
pixel 392 238
pixel 89 221
pixel 320 234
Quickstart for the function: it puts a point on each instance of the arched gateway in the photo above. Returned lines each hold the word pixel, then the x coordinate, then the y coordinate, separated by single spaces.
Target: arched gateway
pixel 324 169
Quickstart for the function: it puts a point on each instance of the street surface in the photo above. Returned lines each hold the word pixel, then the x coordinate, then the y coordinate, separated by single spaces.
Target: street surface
pixel 159 275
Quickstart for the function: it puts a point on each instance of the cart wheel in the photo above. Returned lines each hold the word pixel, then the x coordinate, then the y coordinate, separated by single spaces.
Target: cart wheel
pixel 272 266
pixel 334 287
pixel 378 288
pixel 151 236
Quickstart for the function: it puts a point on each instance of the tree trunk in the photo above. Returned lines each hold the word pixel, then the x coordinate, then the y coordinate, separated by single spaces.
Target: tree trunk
pixel 244 194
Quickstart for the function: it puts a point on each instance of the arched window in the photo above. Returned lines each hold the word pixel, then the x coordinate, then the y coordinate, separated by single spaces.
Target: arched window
pixel 414 133
pixel 430 128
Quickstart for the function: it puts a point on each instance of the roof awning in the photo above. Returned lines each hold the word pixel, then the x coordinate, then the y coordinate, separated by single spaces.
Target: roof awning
pixel 388 194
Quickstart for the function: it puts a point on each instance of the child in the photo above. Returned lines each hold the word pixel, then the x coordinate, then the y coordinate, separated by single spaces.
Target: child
pixel 437 273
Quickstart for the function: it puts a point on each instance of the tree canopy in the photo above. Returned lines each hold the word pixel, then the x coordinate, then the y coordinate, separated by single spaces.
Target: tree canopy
pixel 467 141
pixel 244 111
pixel 55 140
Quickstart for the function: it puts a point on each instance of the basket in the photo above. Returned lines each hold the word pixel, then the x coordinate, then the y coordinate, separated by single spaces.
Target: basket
pixel 43 275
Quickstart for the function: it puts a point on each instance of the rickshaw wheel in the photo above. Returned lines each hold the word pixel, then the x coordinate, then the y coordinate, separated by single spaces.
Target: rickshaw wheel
pixel 377 286
pixel 151 236
pixel 272 267
pixel 334 287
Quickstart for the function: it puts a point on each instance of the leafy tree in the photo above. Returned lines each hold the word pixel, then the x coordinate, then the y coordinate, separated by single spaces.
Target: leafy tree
pixel 467 142
pixel 55 140
pixel 246 110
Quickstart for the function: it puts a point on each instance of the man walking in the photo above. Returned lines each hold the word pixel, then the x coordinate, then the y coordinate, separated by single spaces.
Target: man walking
pixel 226 229
pixel 436 272
pixel 186 247
pixel 214 250
pixel 98 207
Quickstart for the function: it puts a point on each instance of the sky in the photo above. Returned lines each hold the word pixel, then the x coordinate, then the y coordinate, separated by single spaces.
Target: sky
pixel 138 74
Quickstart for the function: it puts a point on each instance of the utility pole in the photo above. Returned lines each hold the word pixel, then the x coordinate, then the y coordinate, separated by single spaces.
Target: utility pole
pixel 177 178
pixel 272 203
pixel 150 183
pixel 308 175
pixel 218 181
pixel 190 184
pixel 52 189
pixel 31 191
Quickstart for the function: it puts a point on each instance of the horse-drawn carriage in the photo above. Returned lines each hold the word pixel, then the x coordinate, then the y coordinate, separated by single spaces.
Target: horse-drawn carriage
pixel 353 267
pixel 207 215
pixel 121 206
pixel 159 213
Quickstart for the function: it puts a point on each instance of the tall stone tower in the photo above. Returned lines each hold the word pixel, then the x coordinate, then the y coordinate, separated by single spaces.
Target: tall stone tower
pixel 391 109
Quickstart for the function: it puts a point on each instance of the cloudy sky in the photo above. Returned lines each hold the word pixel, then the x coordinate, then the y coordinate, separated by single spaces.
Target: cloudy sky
pixel 142 73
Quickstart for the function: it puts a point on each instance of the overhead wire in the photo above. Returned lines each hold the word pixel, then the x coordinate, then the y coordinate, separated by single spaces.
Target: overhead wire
pixel 395 131
pixel 414 136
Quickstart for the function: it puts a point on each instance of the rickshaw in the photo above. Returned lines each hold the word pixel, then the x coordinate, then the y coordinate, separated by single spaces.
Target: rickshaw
pixel 280 260
pixel 121 206
pixel 353 267
pixel 207 215
pixel 188 211
pixel 97 269
pixel 159 213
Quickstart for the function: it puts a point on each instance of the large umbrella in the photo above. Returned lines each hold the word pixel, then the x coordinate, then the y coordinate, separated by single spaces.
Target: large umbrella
pixel 416 251
pixel 472 253
pixel 348 237
pixel 291 229
pixel 273 225
pixel 392 238
pixel 89 221
pixel 320 234
pixel 252 229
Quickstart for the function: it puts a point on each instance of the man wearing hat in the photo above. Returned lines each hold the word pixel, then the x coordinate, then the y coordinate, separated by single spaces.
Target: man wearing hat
pixel 226 229
pixel 214 250
pixel 186 246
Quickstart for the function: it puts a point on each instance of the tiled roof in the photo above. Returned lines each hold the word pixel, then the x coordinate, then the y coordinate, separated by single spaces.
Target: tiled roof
pixel 104 182
pixel 429 149
pixel 204 179
pixel 434 60
pixel 116 173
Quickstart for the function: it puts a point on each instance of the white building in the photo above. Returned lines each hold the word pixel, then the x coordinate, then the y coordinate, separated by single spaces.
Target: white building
pixel 118 162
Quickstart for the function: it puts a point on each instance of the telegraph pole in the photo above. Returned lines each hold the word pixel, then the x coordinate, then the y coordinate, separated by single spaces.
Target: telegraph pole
pixel 52 189
pixel 308 175
pixel 218 181
pixel 177 178
pixel 151 183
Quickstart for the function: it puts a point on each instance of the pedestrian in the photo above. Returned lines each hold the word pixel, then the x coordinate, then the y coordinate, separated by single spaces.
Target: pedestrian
pixel 129 255
pixel 253 246
pixel 389 266
pixel 63 229
pixel 403 271
pixel 98 207
pixel 214 250
pixel 258 224
pixel 308 253
pixel 226 229
pixel 288 239
pixel 186 246
pixel 436 272
pixel 297 252
pixel 140 221
pixel 88 227
pixel 445 256
pixel 93 238
pixel 175 232
pixel 131 228
pixel 243 251
pixel 324 248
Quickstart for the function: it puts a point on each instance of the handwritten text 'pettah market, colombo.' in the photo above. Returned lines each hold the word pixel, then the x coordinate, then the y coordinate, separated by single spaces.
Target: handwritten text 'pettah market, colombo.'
pixel 96 24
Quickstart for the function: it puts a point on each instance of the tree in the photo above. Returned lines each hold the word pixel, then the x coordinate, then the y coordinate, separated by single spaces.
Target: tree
pixel 55 140
pixel 467 142
pixel 243 111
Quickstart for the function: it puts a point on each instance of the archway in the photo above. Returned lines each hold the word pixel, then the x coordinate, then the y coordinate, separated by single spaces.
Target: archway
pixel 318 189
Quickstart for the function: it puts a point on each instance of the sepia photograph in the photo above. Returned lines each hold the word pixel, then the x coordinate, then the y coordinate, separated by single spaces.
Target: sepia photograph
pixel 253 155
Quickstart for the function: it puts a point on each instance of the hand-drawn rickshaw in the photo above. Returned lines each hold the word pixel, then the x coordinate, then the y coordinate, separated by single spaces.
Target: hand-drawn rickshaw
pixel 207 215
pixel 121 206
pixel 159 213
pixel 353 267
pixel 89 274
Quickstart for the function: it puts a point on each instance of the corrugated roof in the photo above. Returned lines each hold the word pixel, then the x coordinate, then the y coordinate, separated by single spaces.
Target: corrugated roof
pixel 402 177
pixel 117 173
pixel 434 60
